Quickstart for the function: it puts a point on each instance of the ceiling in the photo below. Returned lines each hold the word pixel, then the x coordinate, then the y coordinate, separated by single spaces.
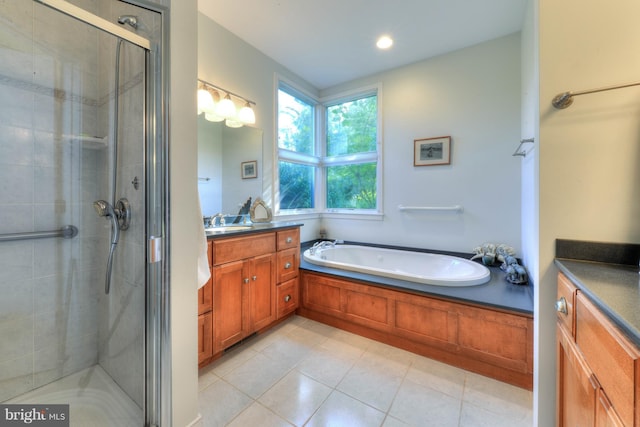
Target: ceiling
pixel 328 42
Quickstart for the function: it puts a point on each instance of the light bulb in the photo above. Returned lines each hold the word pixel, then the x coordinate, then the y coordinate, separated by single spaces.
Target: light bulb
pixel 384 42
pixel 233 123
pixel 246 115
pixel 226 108
pixel 213 117
pixel 205 101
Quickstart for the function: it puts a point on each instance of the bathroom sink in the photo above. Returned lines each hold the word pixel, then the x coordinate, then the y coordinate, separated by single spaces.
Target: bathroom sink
pixel 227 228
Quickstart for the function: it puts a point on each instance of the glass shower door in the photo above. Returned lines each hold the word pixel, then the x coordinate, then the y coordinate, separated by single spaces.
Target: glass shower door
pixel 64 144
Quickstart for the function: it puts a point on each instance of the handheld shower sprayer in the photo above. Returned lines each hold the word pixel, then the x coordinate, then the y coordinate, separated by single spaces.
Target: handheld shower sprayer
pixel 104 208
pixel 120 217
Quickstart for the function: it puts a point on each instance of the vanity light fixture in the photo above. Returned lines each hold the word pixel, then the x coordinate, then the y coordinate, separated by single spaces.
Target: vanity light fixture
pixel 226 108
pixel 246 114
pixel 384 42
pixel 233 123
pixel 205 100
pixel 217 110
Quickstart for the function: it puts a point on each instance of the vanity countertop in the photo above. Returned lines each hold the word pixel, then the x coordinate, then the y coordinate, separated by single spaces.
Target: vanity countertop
pixel 608 275
pixel 254 228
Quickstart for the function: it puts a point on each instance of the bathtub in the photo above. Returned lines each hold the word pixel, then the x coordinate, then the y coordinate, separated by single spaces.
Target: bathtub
pixel 420 267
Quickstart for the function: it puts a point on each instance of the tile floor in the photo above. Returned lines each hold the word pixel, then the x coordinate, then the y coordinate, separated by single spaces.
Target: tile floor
pixel 304 373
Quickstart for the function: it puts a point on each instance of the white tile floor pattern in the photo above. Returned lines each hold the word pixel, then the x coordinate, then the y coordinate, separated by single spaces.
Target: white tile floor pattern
pixel 304 373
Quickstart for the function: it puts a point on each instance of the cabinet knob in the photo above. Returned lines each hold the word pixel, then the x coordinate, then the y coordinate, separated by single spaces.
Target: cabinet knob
pixel 561 306
pixel 287 298
pixel 254 278
pixel 246 280
pixel 289 240
pixel 287 265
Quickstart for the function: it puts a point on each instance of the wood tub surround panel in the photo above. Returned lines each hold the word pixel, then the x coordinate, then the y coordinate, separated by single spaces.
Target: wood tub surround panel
pixel 428 321
pixel 493 343
pixel 365 308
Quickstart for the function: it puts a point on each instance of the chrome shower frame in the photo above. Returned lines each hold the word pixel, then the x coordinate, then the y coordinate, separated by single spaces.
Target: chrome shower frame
pixel 157 395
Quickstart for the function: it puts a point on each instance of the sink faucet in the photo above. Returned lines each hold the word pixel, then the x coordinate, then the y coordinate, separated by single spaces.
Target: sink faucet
pixel 213 220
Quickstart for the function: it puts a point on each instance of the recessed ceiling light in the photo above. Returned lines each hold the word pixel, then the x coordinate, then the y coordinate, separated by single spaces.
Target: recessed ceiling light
pixel 384 42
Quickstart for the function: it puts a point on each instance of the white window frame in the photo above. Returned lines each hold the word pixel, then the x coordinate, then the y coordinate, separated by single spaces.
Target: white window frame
pixel 320 160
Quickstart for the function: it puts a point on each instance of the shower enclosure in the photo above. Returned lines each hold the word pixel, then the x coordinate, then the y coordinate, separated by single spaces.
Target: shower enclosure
pixel 81 96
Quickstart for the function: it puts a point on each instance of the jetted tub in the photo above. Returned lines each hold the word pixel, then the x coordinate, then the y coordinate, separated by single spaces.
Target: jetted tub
pixel 420 267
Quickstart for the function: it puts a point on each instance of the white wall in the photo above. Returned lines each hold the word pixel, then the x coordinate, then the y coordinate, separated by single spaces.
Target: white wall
pixel 184 216
pixel 589 153
pixel 227 61
pixel 473 95
pixel 544 389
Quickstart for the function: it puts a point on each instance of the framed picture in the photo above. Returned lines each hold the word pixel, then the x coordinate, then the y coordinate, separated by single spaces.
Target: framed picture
pixel 249 169
pixel 432 151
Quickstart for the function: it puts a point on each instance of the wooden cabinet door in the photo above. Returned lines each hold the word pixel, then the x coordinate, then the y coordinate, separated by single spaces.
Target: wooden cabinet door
pixel 205 337
pixel 229 325
pixel 205 295
pixel 606 416
pixel 577 387
pixel 261 302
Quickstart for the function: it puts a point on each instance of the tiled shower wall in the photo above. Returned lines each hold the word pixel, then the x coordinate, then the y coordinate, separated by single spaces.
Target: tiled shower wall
pixel 56 90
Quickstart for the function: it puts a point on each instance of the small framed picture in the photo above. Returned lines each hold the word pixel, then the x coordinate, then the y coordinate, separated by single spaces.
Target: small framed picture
pixel 249 169
pixel 432 151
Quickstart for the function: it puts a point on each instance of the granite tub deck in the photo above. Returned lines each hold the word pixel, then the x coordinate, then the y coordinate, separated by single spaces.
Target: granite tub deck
pixel 607 273
pixel 497 293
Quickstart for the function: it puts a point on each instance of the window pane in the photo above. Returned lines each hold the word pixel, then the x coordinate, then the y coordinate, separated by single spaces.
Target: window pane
pixel 351 186
pixel 295 124
pixel 352 126
pixel 296 185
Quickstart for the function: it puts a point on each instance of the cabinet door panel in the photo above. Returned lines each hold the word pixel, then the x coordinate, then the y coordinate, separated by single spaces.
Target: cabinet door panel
pixel 287 297
pixel 205 338
pixel 229 327
pixel 609 354
pixel 577 388
pixel 365 308
pixel 606 416
pixel 261 299
pixel 205 295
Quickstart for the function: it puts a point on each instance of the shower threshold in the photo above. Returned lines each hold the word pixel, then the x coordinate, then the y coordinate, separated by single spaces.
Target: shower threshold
pixel 94 399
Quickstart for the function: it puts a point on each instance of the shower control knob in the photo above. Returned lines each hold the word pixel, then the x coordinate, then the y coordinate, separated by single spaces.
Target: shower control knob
pixel 561 306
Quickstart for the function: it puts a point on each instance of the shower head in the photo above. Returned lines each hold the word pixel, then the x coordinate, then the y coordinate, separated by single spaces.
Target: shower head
pixel 130 20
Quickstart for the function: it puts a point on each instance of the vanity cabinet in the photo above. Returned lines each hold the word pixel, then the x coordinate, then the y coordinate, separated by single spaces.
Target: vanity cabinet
pixel 598 379
pixel 254 283
pixel 287 292
pixel 494 343
pixel 205 316
pixel 244 276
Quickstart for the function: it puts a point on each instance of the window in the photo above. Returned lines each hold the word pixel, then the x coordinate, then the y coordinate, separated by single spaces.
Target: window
pixel 328 156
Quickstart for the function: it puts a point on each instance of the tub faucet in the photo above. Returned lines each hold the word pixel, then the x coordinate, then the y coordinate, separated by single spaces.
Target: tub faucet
pixel 318 246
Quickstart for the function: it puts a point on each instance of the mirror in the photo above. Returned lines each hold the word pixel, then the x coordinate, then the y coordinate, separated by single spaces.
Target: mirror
pixel 230 166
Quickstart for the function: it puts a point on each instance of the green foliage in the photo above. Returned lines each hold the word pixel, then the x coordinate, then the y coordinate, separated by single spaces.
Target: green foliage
pixel 351 128
pixel 296 186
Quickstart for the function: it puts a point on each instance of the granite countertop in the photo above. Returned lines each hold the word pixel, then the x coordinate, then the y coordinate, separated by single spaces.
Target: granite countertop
pixel 608 275
pixel 255 228
pixel 497 293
